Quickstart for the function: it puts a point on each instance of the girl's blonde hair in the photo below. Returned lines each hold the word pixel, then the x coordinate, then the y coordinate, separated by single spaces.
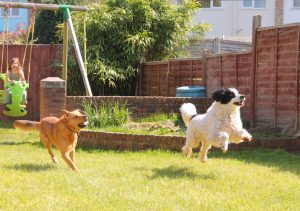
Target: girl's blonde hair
pixel 14 60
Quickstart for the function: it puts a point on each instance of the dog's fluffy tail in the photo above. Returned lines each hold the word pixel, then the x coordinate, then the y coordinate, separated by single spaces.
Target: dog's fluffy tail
pixel 27 125
pixel 187 111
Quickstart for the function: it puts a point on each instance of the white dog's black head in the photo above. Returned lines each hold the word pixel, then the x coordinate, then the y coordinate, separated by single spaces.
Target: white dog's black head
pixel 229 96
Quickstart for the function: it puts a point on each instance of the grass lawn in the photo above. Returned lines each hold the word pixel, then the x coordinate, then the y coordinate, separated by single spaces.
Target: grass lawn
pixel 149 180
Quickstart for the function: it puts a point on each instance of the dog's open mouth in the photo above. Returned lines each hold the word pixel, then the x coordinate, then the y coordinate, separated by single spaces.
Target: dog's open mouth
pixel 83 124
pixel 240 103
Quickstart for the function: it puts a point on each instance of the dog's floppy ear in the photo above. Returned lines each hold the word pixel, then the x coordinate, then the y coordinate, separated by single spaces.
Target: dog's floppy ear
pixel 218 95
pixel 65 112
pixel 78 110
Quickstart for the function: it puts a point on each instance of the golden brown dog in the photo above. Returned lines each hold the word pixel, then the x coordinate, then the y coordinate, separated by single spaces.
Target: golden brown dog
pixel 62 132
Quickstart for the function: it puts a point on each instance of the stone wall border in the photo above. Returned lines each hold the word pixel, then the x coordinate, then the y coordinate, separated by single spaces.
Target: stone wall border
pixel 122 141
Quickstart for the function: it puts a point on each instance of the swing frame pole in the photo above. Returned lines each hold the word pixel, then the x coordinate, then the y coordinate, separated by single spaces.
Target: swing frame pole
pixel 67 16
pixel 42 6
pixel 65 50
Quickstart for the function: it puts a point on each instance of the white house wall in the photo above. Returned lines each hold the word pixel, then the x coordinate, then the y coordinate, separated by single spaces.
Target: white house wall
pixel 290 13
pixel 232 20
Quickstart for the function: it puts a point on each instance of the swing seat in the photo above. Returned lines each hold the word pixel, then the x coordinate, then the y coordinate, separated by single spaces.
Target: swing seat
pixel 17 91
pixel 2 96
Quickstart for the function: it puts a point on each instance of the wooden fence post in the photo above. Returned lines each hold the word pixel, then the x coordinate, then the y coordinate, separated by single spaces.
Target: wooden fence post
pixel 204 78
pixel 297 82
pixel 255 25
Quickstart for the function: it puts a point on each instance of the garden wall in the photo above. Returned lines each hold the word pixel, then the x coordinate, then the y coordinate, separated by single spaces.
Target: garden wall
pixel 119 141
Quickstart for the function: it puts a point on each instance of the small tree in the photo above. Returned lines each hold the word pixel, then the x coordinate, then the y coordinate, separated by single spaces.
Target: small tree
pixel 121 33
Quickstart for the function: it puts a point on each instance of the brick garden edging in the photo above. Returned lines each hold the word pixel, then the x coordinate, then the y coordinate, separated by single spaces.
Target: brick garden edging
pixel 122 141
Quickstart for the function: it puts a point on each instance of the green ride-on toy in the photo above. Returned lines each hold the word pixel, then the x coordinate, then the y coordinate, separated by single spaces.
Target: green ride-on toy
pixel 15 109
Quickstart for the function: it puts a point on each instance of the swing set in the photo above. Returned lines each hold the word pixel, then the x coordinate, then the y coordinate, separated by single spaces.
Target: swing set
pixel 16 109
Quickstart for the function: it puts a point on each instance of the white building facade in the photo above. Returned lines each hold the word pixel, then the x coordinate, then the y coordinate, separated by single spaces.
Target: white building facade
pixel 232 19
pixel 291 11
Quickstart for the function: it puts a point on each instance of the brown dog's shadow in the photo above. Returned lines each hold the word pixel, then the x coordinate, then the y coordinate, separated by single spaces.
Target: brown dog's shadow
pixel 174 172
pixel 30 167
pixel 12 143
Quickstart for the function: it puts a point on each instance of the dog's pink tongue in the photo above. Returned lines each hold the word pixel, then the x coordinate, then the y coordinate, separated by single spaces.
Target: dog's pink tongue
pixel 247 139
pixel 242 103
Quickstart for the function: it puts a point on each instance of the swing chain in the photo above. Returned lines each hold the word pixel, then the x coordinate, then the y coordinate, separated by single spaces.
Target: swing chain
pixel 31 27
pixel 4 35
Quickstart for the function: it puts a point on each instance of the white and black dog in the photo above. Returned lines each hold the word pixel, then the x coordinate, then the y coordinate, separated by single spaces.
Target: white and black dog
pixel 219 126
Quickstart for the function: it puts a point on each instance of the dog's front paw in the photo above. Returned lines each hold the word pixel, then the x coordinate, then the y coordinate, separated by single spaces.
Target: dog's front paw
pixel 55 161
pixel 203 159
pixel 247 138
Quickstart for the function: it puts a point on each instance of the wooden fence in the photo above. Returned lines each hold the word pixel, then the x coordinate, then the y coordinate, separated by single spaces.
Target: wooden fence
pixel 268 75
pixel 162 78
pixel 41 67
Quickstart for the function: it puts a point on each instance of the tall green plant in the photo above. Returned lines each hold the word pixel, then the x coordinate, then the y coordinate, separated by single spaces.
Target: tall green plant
pixel 105 115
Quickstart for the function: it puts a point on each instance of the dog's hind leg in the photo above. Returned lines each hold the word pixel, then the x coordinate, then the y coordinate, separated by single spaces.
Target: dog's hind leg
pixel 72 155
pixel 66 157
pixel 220 140
pixel 203 152
pixel 47 143
pixel 187 150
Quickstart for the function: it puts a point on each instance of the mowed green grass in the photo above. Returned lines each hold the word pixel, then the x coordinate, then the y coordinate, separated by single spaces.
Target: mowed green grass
pixel 148 180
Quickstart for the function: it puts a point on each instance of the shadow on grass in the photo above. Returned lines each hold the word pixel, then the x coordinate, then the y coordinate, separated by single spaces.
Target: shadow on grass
pixel 174 172
pixel 275 158
pixel 6 125
pixel 29 167
pixel 12 143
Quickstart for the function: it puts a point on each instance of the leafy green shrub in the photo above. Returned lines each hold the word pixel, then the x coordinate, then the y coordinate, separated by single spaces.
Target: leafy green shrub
pixel 110 114
pixel 121 33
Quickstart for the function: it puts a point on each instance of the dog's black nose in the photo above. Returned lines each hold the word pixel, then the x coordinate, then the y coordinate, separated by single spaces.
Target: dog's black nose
pixel 242 97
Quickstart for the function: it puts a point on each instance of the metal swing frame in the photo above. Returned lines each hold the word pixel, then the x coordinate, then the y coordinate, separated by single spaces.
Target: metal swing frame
pixel 68 24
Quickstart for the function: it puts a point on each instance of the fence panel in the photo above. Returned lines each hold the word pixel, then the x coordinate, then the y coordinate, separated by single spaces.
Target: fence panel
pixel 41 60
pixel 162 78
pixel 277 94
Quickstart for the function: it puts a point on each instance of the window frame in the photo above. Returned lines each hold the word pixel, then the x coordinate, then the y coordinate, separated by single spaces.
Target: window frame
pixel 253 5
pixel 294 5
pixel 10 15
pixel 211 5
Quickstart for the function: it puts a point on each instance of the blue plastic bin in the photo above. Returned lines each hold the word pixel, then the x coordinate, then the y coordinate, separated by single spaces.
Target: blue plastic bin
pixel 191 91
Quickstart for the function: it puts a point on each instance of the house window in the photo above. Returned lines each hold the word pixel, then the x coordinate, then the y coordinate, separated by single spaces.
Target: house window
pixel 296 3
pixel 211 3
pixel 13 12
pixel 254 3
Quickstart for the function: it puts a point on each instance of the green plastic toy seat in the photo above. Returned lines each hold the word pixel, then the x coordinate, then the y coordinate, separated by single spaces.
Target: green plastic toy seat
pixel 17 91
pixel 2 95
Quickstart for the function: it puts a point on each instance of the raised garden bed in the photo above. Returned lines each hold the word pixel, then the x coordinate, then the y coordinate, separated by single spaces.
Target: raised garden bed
pixel 123 141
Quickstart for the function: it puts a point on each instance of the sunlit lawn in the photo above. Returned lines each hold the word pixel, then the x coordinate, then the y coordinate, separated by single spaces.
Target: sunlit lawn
pixel 148 180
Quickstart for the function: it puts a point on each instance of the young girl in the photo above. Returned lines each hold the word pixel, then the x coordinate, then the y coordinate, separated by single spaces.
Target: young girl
pixel 14 73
